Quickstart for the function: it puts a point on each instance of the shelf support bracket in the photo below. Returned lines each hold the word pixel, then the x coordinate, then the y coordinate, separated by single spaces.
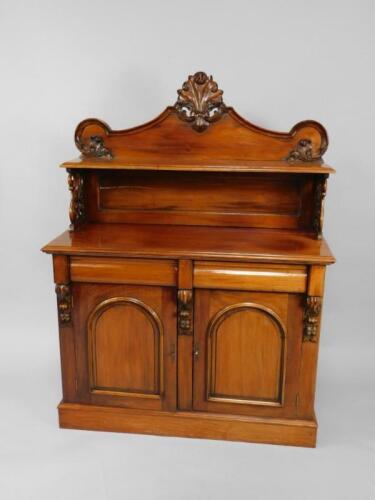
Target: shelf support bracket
pixel 319 196
pixel 77 206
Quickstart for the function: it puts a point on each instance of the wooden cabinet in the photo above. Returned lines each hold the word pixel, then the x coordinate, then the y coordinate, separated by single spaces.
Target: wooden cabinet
pixel 189 285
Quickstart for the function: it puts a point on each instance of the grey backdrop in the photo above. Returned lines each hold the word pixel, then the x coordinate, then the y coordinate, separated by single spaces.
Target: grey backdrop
pixel 122 61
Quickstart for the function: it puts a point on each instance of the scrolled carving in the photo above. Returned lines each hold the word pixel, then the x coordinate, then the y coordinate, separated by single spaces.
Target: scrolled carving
pixel 312 313
pixel 77 207
pixel 185 312
pixel 94 147
pixel 64 303
pixel 302 152
pixel 200 101
pixel 319 196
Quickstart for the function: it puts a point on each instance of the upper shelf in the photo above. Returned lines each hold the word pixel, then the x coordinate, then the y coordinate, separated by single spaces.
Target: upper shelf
pixel 201 133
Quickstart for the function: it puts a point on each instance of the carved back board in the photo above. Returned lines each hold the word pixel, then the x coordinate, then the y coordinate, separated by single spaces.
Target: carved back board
pixel 199 130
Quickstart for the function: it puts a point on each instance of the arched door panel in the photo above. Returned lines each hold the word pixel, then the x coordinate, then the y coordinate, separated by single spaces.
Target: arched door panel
pixel 126 345
pixel 125 338
pixel 246 347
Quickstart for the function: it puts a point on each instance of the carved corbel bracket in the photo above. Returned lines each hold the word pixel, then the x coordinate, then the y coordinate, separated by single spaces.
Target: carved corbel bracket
pixel 200 101
pixel 313 308
pixel 77 207
pixel 185 312
pixel 64 303
pixel 319 196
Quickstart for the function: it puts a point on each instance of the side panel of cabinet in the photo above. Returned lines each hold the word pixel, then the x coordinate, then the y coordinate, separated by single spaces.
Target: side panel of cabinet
pixel 247 352
pixel 125 345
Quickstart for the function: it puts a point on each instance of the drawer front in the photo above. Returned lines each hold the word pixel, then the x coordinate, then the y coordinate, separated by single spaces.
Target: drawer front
pixel 253 277
pixel 129 271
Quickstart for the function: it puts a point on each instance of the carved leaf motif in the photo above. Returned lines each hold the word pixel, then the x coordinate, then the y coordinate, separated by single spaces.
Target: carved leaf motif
pixel 63 303
pixel 76 209
pixel 200 101
pixel 185 312
pixel 313 309
pixel 320 193
pixel 302 152
pixel 94 147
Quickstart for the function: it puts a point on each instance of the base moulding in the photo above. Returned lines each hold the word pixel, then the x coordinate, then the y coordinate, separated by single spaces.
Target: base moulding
pixel 188 424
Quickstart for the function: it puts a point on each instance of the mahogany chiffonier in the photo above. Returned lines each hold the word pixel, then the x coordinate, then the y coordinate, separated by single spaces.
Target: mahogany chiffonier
pixel 190 283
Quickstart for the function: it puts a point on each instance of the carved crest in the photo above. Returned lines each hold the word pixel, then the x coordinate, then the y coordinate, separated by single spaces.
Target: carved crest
pixel 200 101
pixel 76 209
pixel 94 147
pixel 313 309
pixel 64 303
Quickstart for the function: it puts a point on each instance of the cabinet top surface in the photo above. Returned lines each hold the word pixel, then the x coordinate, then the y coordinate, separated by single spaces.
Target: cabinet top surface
pixel 200 132
pixel 232 165
pixel 194 242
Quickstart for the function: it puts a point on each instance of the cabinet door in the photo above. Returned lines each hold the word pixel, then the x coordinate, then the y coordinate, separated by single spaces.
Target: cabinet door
pixel 125 345
pixel 246 352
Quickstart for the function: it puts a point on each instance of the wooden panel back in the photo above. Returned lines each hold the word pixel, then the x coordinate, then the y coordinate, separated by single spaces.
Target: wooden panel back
pixel 200 198
pixel 231 137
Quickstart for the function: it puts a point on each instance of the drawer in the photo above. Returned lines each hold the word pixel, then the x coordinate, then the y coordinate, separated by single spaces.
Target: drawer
pixel 257 277
pixel 130 271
